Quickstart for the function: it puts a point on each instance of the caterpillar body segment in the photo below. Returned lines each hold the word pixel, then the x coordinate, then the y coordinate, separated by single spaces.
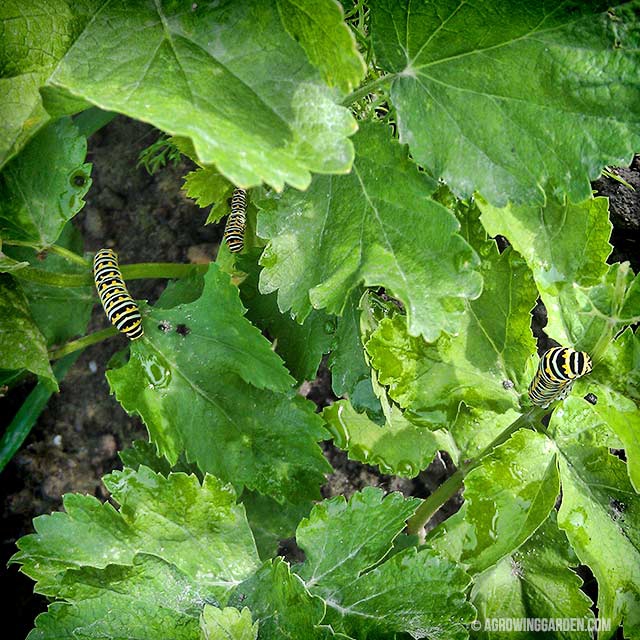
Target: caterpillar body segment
pixel 237 221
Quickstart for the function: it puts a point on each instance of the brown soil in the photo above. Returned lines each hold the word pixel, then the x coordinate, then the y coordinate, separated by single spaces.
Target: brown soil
pixel 76 440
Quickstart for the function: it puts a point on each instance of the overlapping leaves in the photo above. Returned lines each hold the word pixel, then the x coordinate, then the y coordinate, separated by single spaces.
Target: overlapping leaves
pixel 508 98
pixel 206 382
pixel 377 226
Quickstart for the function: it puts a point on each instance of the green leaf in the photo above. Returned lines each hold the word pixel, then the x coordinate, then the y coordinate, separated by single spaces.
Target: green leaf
pixel 61 313
pixel 397 448
pixel 535 581
pixel 272 522
pixel 328 42
pixel 229 77
pixel 470 383
pixel 7 264
pixel 507 497
pixel 150 599
pixel 209 187
pixel 566 247
pixel 301 346
pixel 143 452
pixel 218 392
pixel 375 226
pixel 344 542
pixel 227 624
pixel 507 99
pixel 43 187
pixel 198 528
pixel 33 38
pixel 280 603
pixel 22 346
pixel 600 513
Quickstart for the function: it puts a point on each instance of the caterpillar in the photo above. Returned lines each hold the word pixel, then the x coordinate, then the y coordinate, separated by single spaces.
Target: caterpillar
pixel 121 310
pixel 558 369
pixel 237 221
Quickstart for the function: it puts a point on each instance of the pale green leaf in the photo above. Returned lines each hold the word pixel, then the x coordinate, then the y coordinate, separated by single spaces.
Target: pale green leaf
pixel 278 600
pixel 33 37
pixel 507 497
pixel 535 581
pixel 328 42
pixel 43 187
pixel 508 98
pixel 22 345
pixel 198 528
pixel 375 226
pixel 217 392
pixel 227 624
pixel 600 513
pixel 229 77
pixel 470 383
pixel 150 599
pixel 396 448
pixel 208 187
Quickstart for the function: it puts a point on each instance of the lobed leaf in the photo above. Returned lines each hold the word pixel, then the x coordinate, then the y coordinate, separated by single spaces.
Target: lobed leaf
pixel 378 227
pixel 215 390
pixel 229 77
pixel 197 528
pixel 535 581
pixel 227 624
pixel 43 187
pixel 507 99
pixel 209 187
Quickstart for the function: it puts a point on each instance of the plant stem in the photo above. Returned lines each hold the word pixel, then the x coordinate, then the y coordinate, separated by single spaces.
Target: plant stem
pixel 82 343
pixel 451 486
pixel 27 415
pixel 93 119
pixel 129 272
pixel 356 95
pixel 69 255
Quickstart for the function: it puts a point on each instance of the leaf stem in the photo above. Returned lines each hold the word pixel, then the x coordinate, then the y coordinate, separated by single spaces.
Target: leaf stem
pixel 69 255
pixel 28 414
pixel 365 90
pixel 450 487
pixel 82 343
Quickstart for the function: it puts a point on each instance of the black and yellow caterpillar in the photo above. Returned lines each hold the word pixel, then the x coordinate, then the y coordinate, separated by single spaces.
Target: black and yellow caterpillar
pixel 237 221
pixel 121 309
pixel 558 369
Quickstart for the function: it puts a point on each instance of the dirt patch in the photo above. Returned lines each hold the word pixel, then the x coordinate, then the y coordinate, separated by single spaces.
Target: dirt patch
pixel 147 218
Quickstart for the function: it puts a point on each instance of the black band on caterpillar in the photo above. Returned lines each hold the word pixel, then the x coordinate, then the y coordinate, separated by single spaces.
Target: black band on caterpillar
pixel 558 369
pixel 121 309
pixel 237 221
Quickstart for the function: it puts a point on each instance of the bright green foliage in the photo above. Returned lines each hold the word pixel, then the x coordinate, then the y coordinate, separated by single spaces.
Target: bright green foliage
pixel 535 581
pixel 22 345
pixel 566 246
pixel 319 28
pixel 151 598
pixel 417 592
pixel 199 529
pixel 44 187
pixel 227 624
pixel 507 498
pixel 209 187
pixel 374 226
pixel 301 346
pixel 399 447
pixel 228 77
pixel 60 313
pixel 600 513
pixel 221 395
pixel 33 37
pixel 506 98
pixel 279 600
pixel 431 380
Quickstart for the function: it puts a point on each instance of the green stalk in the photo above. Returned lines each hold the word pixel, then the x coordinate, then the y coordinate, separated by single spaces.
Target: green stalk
pixel 69 255
pixel 28 414
pixel 452 485
pixel 93 119
pixel 365 90
pixel 82 343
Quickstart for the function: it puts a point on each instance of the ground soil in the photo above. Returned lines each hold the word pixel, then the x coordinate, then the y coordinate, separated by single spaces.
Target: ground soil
pixel 76 440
